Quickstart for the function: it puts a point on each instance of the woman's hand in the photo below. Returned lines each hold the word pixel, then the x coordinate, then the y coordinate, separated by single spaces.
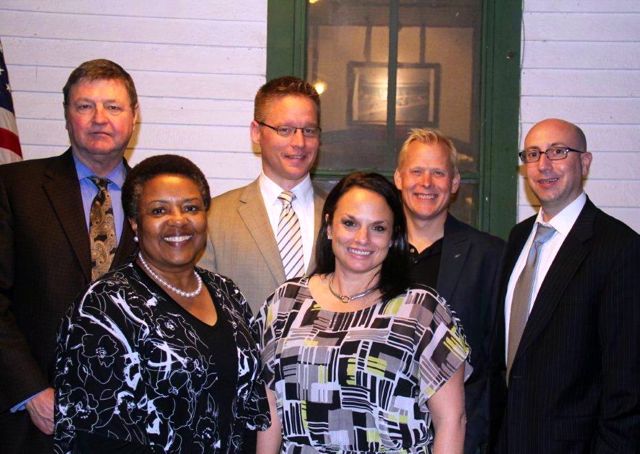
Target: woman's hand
pixel 269 441
pixel 449 420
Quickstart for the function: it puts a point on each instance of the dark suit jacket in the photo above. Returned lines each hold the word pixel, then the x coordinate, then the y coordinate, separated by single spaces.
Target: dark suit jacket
pixel 467 279
pixel 575 381
pixel 45 262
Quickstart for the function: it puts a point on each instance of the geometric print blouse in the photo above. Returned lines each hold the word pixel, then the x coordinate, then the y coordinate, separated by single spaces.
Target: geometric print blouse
pixel 133 365
pixel 358 382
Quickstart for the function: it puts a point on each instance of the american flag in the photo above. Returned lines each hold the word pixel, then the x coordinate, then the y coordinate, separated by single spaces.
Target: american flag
pixel 9 142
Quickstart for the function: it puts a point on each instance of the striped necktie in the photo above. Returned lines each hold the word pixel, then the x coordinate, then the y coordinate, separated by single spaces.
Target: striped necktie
pixel 102 230
pixel 290 238
pixel 521 300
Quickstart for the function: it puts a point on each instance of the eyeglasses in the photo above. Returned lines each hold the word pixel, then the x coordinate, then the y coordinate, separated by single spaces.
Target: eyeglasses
pixel 310 132
pixel 531 155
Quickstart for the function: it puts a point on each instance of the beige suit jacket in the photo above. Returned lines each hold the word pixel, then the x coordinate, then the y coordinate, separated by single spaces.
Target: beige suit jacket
pixel 241 244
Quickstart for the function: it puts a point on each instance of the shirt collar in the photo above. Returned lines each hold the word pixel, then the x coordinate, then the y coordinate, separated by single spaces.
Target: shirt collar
pixel 563 221
pixel 270 190
pixel 116 176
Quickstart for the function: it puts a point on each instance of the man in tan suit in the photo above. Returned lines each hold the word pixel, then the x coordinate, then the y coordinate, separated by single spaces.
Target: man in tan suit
pixel 243 223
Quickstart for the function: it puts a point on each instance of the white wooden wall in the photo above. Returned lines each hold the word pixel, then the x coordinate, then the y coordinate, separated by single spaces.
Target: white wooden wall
pixel 581 62
pixel 196 65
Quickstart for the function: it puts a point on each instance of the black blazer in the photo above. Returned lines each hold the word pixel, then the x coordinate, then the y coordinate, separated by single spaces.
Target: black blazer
pixel 45 262
pixel 575 381
pixel 467 279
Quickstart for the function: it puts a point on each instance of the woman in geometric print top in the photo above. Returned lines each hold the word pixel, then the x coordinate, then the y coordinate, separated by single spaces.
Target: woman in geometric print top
pixel 355 359
pixel 157 356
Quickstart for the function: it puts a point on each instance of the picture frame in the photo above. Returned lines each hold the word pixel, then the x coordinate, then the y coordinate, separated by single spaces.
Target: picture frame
pixel 417 94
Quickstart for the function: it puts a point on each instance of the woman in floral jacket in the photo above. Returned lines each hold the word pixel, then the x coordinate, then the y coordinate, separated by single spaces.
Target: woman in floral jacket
pixel 157 356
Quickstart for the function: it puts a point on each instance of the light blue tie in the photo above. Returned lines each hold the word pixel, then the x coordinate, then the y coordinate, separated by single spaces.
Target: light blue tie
pixel 521 300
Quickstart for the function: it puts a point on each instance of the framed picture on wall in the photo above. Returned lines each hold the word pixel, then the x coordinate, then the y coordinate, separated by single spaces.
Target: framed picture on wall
pixel 417 93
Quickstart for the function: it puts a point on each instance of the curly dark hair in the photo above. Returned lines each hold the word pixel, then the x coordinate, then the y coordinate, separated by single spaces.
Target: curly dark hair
pixel 394 275
pixel 167 164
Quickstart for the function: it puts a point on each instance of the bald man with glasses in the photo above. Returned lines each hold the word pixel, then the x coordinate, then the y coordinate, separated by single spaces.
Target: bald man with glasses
pixel 569 315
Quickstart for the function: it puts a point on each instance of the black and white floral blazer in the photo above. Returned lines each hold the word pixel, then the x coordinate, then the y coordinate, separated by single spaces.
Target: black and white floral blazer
pixel 130 366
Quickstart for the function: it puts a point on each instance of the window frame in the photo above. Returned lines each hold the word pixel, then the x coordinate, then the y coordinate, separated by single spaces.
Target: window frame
pixel 499 97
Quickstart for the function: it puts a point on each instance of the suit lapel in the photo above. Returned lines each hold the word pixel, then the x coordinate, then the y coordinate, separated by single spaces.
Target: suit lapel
pixel 254 214
pixel 455 248
pixel 566 263
pixel 126 245
pixel 517 239
pixel 63 190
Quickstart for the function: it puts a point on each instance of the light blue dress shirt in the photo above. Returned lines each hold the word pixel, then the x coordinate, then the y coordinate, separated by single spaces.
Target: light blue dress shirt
pixel 89 190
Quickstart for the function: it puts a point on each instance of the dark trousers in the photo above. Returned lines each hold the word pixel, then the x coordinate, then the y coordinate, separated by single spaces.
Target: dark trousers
pixel 19 436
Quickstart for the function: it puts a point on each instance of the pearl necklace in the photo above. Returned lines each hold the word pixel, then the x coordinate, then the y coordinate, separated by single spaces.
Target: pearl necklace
pixel 347 299
pixel 161 281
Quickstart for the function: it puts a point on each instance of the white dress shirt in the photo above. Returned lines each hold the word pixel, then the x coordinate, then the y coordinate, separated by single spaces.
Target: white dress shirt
pixel 562 223
pixel 302 205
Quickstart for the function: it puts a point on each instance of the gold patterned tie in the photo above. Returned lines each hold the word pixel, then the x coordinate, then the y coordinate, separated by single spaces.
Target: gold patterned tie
pixel 102 230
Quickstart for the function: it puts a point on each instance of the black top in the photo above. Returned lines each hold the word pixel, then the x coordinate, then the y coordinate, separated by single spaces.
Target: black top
pixel 425 265
pixel 218 339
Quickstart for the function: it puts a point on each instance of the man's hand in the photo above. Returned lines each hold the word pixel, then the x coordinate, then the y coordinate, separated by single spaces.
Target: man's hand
pixel 40 410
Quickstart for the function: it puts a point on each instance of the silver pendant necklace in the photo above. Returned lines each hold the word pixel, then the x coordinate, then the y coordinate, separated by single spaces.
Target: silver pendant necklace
pixel 345 299
pixel 164 283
